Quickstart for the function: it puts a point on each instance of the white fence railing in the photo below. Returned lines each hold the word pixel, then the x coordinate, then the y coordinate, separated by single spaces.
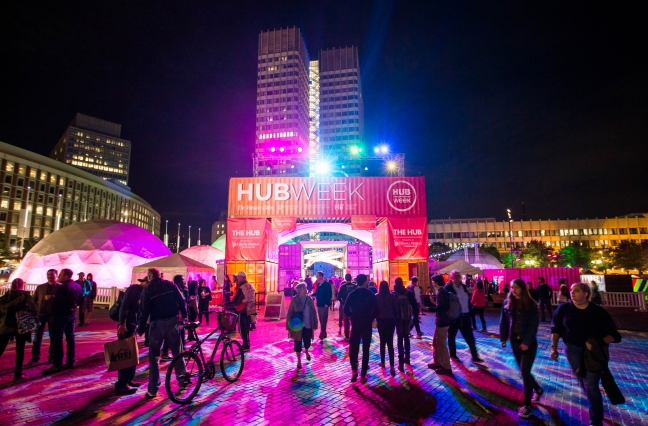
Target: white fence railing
pixel 618 300
pixel 106 296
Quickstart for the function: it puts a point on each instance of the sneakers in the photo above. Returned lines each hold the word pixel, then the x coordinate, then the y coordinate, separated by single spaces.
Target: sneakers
pixel 125 391
pixel 478 360
pixel 434 366
pixel 32 361
pixel 525 412
pixel 537 395
pixel 444 371
pixel 151 395
pixel 52 370
pixel 134 385
pixel 354 377
pixel 363 379
pixel 166 358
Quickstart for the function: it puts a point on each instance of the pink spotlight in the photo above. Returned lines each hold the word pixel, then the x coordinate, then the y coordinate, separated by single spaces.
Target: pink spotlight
pixel 299 149
pixel 272 149
pixel 281 149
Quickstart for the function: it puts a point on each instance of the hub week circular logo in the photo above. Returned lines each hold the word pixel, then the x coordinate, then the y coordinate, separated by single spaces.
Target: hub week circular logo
pixel 401 196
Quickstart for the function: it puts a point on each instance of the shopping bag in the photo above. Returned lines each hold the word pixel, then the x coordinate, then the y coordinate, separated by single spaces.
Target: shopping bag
pixel 336 306
pixel 121 354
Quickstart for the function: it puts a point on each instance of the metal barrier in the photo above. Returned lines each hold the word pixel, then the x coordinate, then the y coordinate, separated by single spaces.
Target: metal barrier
pixel 617 300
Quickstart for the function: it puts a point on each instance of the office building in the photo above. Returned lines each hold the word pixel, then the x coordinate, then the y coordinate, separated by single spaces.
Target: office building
pixel 41 195
pixel 557 233
pixel 341 109
pixel 95 145
pixel 282 115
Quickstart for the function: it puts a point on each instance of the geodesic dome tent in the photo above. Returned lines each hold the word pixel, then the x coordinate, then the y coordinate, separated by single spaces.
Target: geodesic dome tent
pixel 220 243
pixel 108 249
pixel 204 254
pixel 176 264
pixel 482 261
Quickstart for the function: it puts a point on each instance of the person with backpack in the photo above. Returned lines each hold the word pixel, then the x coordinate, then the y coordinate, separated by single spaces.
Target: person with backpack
pixel 406 305
pixel 345 289
pixel 387 314
pixel 324 296
pixel 89 296
pixel 362 307
pixel 462 323
pixel 15 300
pixel 519 322
pixel 128 310
pixel 440 349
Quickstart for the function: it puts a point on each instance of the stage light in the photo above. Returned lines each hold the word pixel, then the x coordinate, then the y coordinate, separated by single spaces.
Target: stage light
pixel 366 168
pixel 311 151
pixel 391 166
pixel 376 150
pixel 268 168
pixel 354 150
pixel 272 149
pixel 359 149
pixel 281 149
pixel 292 166
pixel 322 168
pixel 342 166
pixel 299 149
pixel 384 149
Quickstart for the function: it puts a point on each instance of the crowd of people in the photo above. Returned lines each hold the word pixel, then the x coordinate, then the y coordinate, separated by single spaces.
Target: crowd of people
pixel 154 307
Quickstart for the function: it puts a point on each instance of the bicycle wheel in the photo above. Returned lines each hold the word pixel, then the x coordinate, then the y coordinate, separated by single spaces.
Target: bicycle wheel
pixel 181 388
pixel 232 361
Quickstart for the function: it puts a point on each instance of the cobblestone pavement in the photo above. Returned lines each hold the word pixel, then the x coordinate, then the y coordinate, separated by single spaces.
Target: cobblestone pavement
pixel 270 392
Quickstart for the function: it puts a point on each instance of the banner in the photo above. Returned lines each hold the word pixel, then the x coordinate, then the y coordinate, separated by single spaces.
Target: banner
pixel 363 223
pixel 284 223
pixel 408 238
pixel 246 239
pixel 333 197
pixel 380 248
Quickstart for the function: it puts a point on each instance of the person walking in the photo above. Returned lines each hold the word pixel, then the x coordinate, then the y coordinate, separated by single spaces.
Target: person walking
pixel 161 301
pixel 462 323
pixel 301 322
pixel 81 281
pixel 596 295
pixel 345 289
pixel 362 307
pixel 89 296
pixel 544 297
pixel 387 314
pixel 575 322
pixel 16 299
pixel 519 321
pixel 478 302
pixel 128 311
pixel 227 289
pixel 406 306
pixel 532 291
pixel 205 296
pixel 440 340
pixel 192 300
pixel 44 297
pixel 69 296
pixel 416 313
pixel 245 294
pixel 372 287
pixel 324 297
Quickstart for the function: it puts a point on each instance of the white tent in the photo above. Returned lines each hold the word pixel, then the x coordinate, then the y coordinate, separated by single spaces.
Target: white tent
pixel 460 265
pixel 204 254
pixel 176 264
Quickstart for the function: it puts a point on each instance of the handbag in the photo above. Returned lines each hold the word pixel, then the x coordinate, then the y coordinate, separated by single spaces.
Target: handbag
pixel 26 321
pixel 297 319
pixel 121 354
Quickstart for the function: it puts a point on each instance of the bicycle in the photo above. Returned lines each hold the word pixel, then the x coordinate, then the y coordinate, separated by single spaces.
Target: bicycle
pixel 196 369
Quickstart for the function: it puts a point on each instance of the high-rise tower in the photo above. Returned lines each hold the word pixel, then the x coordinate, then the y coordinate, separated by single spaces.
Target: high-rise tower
pixel 282 115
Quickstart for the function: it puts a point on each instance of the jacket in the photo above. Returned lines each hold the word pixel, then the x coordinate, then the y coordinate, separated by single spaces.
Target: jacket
pixel 596 297
pixel 527 324
pixel 324 294
pixel 441 308
pixel 296 306
pixel 361 306
pixel 160 300
pixel 69 296
pixel 10 303
pixel 478 298
pixel 544 291
pixel 387 306
pixel 130 306
pixel 346 288
pixel 45 308
pixel 203 301
pixel 450 289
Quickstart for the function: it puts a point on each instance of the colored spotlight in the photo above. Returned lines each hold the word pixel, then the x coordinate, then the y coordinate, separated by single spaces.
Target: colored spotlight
pixel 391 166
pixel 384 149
pixel 282 149
pixel 299 149
pixel 272 149
pixel 322 168
pixel 376 150
pixel 354 150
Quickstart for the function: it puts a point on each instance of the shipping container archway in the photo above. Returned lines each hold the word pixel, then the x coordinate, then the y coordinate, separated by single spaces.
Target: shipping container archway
pixel 388 212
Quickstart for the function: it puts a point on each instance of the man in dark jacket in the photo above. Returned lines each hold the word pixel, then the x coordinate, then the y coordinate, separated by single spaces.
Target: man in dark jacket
pixel 324 296
pixel 440 352
pixel 462 323
pixel 44 297
pixel 345 289
pixel 161 301
pixel 544 296
pixel 127 325
pixel 362 307
pixel 69 296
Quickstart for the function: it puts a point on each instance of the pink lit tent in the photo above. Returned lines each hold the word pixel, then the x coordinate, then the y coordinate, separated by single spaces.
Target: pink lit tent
pixel 204 254
pixel 173 265
pixel 106 248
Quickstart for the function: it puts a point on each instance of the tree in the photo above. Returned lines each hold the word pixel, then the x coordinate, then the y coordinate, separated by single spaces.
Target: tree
pixel 630 255
pixel 576 255
pixel 535 255
pixel 438 247
pixel 492 251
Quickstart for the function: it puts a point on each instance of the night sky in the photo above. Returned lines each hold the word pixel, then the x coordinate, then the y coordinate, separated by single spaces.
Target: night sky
pixel 494 103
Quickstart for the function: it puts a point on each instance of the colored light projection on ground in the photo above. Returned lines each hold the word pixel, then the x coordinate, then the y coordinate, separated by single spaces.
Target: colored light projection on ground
pixel 271 391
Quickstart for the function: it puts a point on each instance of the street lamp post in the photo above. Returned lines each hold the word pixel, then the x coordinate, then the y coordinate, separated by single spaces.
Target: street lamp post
pixel 198 236
pixel 508 211
pixel 166 233
pixel 189 240
pixel 178 243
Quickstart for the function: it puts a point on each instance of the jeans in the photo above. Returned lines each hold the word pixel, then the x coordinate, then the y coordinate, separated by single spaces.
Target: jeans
pixel 82 312
pixel 386 327
pixel 416 321
pixel 126 375
pixel 204 312
pixel 359 332
pixel 402 333
pixel 38 339
pixel 344 319
pixel 21 339
pixel 307 336
pixel 462 324
pixel 159 331
pixel 244 328
pixel 545 303
pixel 525 360
pixel 478 310
pixel 440 349
pixel 590 383
pixel 322 314
pixel 58 327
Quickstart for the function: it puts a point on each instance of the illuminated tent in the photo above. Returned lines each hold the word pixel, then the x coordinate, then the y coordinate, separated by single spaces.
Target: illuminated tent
pixel 483 261
pixel 204 254
pixel 460 265
pixel 220 243
pixel 176 264
pixel 108 249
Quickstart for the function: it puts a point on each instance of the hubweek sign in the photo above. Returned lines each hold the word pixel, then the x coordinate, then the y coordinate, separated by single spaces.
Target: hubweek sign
pixel 269 197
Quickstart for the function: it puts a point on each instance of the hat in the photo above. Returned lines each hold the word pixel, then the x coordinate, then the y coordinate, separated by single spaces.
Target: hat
pixel 242 275
pixel 143 280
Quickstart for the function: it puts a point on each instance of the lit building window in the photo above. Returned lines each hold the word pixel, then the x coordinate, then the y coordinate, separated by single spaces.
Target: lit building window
pixel 39 209
pixel 49 211
pixel 17 205
pixel 4 204
pixel 14 230
pixel 9 167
